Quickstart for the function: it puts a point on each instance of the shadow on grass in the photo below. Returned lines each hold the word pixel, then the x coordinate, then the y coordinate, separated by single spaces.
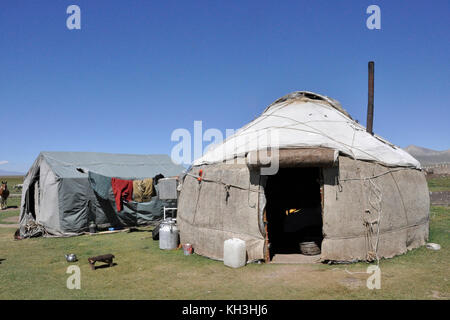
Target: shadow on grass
pixel 10 208
pixel 133 229
pixel 104 266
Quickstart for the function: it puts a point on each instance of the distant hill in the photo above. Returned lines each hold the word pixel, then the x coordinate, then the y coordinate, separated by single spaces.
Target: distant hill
pixel 428 157
pixel 5 173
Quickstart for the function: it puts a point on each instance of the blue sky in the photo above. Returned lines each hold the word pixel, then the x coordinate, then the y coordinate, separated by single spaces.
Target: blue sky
pixel 137 70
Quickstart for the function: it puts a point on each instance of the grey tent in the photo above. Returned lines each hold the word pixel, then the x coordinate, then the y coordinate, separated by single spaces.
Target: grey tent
pixel 60 196
pixel 354 194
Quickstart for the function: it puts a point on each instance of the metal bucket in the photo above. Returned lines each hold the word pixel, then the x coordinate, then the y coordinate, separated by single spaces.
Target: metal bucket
pixel 187 249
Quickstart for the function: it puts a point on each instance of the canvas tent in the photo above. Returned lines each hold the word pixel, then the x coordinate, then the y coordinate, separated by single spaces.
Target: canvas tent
pixel 360 196
pixel 60 197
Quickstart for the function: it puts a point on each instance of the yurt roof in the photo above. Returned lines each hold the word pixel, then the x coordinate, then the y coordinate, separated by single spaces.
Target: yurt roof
pixel 304 119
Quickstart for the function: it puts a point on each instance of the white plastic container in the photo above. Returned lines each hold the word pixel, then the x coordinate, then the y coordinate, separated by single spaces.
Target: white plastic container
pixel 433 246
pixel 234 253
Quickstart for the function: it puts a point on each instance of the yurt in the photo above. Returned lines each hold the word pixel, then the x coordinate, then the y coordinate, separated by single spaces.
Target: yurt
pixel 304 172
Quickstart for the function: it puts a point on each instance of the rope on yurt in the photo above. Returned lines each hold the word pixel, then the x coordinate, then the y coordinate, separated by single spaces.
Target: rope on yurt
pixel 227 186
pixel 376 204
pixel 375 201
pixel 375 176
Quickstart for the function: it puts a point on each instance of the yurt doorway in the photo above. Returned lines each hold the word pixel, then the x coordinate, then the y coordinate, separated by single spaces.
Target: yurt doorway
pixel 294 213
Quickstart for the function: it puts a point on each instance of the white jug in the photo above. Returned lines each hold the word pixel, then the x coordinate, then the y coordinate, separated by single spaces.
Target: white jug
pixel 234 253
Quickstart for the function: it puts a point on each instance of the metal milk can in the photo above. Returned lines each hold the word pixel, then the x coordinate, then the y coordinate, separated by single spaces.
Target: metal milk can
pixel 168 234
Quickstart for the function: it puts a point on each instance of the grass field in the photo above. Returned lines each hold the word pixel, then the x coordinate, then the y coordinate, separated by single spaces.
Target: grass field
pixel 36 269
pixel 12 201
pixel 12 181
pixel 439 184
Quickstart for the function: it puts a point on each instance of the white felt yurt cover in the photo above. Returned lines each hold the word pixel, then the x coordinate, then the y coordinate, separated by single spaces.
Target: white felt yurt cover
pixel 306 119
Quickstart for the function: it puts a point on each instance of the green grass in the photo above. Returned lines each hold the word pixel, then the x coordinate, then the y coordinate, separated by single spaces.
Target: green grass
pixel 36 269
pixel 439 184
pixel 9 214
pixel 12 182
pixel 12 202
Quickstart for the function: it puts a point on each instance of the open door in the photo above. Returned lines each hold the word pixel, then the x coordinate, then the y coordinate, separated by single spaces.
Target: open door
pixel 294 212
pixel 32 196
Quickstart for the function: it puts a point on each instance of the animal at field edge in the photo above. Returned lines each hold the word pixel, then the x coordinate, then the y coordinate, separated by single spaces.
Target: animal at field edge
pixel 4 194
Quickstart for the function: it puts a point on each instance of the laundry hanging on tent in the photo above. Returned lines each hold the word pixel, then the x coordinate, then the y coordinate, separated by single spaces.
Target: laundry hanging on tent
pixel 123 190
pixel 142 190
pixel 100 184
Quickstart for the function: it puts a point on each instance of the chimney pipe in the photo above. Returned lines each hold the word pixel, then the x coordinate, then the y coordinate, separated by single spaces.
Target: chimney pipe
pixel 370 102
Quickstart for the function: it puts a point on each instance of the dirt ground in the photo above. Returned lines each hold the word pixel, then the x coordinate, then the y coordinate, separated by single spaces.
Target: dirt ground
pixel 11 222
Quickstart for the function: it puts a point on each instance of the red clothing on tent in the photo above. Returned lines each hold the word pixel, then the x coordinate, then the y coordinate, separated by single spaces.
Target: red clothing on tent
pixel 123 189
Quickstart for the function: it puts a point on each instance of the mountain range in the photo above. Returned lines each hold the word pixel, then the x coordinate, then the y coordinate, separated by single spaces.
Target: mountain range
pixel 428 156
pixel 5 173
